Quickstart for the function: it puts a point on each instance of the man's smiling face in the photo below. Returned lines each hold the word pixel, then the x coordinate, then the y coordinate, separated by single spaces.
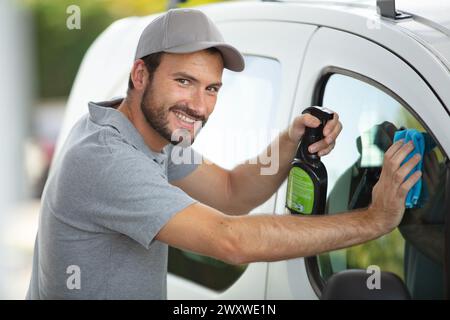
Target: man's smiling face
pixel 182 93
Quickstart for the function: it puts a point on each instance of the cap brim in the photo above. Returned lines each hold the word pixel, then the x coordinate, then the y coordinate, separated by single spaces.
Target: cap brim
pixel 232 58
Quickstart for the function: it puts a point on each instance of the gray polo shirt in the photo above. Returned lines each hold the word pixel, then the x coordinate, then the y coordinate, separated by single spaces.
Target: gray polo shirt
pixel 106 198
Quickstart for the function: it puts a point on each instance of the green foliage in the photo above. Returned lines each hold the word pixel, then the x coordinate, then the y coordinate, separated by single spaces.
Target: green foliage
pixel 386 252
pixel 60 50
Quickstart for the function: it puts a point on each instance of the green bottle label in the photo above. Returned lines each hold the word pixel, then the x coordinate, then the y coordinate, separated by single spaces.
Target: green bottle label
pixel 300 191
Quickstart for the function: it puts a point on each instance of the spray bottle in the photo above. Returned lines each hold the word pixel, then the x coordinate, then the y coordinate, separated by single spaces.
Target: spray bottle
pixel 307 179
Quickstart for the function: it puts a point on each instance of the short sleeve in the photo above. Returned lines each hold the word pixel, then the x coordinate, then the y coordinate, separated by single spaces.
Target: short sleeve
pixel 181 162
pixel 126 192
pixel 138 200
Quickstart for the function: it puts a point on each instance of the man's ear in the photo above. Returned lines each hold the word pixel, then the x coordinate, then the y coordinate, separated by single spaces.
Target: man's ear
pixel 139 75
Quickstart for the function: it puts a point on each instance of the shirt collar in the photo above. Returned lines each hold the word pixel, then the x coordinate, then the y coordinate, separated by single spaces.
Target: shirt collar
pixel 105 114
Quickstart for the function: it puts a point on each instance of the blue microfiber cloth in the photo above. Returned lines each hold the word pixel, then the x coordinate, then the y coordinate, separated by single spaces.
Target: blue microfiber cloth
pixel 412 199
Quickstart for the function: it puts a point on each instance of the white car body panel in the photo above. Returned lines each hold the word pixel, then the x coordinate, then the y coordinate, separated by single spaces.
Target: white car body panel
pixel 330 47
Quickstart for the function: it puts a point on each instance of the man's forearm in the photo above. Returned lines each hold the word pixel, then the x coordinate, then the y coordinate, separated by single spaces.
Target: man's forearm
pixel 251 184
pixel 300 236
pixel 242 239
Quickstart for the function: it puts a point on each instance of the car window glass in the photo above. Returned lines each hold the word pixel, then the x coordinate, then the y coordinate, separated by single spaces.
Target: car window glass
pixel 415 250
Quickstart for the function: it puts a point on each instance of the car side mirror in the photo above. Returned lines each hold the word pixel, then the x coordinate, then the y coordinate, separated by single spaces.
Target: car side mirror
pixel 353 285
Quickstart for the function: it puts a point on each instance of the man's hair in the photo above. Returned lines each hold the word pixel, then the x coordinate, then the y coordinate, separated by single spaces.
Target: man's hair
pixel 152 62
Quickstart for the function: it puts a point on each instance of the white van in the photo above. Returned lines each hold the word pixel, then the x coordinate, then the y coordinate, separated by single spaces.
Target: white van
pixel 378 69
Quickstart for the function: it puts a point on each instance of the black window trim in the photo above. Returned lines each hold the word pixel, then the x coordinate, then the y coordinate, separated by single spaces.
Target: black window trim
pixel 311 263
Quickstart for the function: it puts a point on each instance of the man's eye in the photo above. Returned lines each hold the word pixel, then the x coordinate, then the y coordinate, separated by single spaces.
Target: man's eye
pixel 213 89
pixel 183 81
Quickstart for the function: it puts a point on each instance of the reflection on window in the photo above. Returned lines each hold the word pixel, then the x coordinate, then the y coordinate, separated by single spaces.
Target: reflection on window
pixel 415 250
pixel 236 131
pixel 239 127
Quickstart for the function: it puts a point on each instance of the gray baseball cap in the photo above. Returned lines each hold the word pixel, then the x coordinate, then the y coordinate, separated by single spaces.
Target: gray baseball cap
pixel 185 31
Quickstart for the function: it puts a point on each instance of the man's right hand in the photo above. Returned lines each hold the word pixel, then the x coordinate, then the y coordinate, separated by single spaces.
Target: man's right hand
pixel 389 194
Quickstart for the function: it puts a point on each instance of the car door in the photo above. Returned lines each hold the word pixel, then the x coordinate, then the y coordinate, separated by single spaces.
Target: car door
pixel 253 106
pixel 373 90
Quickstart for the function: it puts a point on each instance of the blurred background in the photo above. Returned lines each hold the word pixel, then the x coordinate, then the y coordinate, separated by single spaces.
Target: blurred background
pixel 41 49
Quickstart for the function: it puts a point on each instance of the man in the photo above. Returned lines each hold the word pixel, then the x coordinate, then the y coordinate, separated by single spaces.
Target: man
pixel 115 198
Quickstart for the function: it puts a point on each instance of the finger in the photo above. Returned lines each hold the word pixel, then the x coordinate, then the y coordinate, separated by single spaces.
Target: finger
pixel 401 154
pixel 386 170
pixel 318 146
pixel 308 120
pixel 406 168
pixel 334 134
pixel 330 126
pixel 393 149
pixel 408 184
pixel 327 150
pixel 327 141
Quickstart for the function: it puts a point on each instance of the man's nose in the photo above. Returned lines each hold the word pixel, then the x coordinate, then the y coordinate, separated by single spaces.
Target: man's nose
pixel 199 103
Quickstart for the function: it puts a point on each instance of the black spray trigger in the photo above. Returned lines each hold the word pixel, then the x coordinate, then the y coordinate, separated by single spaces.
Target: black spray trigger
pixel 321 113
pixel 313 135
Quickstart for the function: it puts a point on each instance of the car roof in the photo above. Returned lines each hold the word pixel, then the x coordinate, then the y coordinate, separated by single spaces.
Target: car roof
pixel 420 41
pixel 433 10
pixel 430 23
pixel 437 11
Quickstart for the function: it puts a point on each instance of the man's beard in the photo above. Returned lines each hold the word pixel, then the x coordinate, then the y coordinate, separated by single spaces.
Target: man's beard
pixel 157 118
